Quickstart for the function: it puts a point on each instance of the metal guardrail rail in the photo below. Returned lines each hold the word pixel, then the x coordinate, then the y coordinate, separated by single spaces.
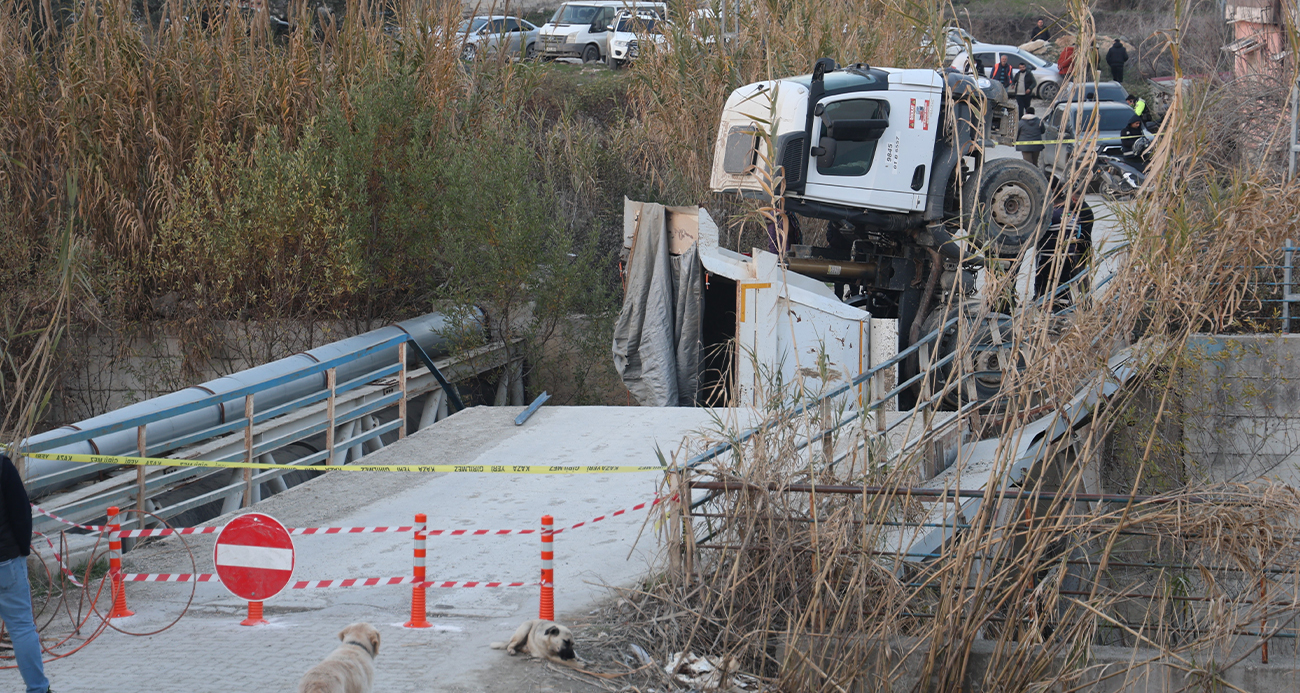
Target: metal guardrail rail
pixel 347 414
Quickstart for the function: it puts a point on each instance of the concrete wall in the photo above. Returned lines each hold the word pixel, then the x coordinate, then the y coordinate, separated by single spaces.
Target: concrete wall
pixel 108 368
pixel 896 666
pixel 1241 409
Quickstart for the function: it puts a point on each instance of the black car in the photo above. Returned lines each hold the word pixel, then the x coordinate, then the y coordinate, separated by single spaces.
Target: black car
pixel 1092 91
pixel 1066 122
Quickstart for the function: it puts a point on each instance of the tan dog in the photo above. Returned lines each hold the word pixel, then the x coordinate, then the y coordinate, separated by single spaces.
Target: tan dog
pixel 543 640
pixel 350 668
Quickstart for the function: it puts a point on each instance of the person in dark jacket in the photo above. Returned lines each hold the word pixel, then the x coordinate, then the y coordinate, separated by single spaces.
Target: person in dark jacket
pixel 1071 232
pixel 1002 72
pixel 1040 32
pixel 1030 130
pixel 1023 84
pixel 1116 57
pixel 1131 133
pixel 15 590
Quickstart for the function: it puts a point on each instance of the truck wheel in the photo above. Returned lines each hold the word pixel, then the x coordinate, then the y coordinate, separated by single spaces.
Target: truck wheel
pixel 988 352
pixel 591 53
pixel 1047 90
pixel 612 63
pixel 1005 212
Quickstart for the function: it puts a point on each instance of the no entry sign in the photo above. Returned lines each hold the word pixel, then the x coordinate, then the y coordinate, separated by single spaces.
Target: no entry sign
pixel 254 557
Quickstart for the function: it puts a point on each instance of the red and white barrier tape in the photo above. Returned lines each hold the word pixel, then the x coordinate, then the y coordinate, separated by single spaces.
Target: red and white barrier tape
pixel 292 530
pixel 322 584
pixel 62 566
pixel 616 513
pixel 130 533
pixel 89 528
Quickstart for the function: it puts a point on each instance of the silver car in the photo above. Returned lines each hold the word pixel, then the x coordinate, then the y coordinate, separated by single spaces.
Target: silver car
pixel 486 35
pixel 988 55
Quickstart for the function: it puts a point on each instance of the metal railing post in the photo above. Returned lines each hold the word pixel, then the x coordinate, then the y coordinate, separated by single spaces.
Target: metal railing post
pixel 1288 258
pixel 331 381
pixel 248 450
pixel 401 380
pixel 140 440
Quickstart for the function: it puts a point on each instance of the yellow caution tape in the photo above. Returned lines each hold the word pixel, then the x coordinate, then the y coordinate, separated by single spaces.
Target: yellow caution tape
pixel 478 468
pixel 1046 142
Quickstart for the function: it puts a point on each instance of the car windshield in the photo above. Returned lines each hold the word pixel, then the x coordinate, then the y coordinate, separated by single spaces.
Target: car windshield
pixel 575 14
pixel 636 25
pixel 1111 92
pixel 1112 119
pixel 472 25
pixel 1033 60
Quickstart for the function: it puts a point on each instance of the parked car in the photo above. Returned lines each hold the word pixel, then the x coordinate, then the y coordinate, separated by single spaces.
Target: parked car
pixel 631 31
pixel 1066 122
pixel 957 40
pixel 582 29
pixel 486 35
pixel 988 54
pixel 1093 91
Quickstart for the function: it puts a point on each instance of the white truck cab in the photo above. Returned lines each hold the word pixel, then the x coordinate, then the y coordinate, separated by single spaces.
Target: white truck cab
pixel 582 29
pixel 872 137
pixel 890 159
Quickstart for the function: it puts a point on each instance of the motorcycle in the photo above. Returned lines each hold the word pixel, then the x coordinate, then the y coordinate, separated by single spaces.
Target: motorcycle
pixel 1119 175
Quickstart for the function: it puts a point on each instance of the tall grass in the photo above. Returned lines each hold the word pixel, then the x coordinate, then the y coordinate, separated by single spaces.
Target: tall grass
pixel 354 168
pixel 809 590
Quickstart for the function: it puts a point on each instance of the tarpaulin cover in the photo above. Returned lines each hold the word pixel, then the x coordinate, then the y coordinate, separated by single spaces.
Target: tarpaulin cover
pixel 657 336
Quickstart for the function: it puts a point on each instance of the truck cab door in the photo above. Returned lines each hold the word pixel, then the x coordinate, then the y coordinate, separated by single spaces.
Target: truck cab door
pixel 872 150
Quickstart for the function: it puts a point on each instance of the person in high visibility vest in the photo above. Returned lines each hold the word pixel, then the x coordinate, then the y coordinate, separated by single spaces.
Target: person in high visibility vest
pixel 1139 107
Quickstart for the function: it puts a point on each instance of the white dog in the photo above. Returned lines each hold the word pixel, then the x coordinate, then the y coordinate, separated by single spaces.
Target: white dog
pixel 350 668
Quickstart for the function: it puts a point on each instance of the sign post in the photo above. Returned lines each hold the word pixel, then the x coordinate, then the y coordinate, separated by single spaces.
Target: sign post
pixel 254 558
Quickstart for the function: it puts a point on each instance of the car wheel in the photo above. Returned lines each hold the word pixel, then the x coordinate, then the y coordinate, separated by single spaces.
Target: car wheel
pixel 591 53
pixel 612 62
pixel 469 52
pixel 1004 213
pixel 530 53
pixel 1047 90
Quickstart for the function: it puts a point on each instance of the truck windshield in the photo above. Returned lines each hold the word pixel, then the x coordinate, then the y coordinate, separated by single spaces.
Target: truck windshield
pixel 575 14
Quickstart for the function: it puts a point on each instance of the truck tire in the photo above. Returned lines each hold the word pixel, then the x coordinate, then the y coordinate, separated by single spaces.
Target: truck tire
pixel 988 354
pixel 591 53
pixel 1005 212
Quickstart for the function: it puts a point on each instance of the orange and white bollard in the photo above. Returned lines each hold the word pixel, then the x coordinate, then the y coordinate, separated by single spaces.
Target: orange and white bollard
pixel 546 609
pixel 117 589
pixel 418 617
pixel 255 616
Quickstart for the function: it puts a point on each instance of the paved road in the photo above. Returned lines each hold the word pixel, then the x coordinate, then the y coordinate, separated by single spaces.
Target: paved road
pixel 209 651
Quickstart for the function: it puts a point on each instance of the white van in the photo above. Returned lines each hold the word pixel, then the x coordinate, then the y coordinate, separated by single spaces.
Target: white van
pixel 582 29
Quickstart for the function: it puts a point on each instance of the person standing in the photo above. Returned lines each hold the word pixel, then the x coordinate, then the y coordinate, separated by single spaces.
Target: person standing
pixel 1023 88
pixel 1116 57
pixel 1131 133
pixel 15 590
pixel 1139 107
pixel 1002 72
pixel 1029 136
pixel 1040 32
pixel 1071 232
pixel 1065 62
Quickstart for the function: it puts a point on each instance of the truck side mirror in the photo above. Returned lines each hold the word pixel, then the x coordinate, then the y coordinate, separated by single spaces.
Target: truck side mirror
pixel 597 27
pixel 858 129
pixel 825 152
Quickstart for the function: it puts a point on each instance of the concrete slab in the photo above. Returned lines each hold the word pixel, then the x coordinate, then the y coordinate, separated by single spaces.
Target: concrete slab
pixel 208 651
